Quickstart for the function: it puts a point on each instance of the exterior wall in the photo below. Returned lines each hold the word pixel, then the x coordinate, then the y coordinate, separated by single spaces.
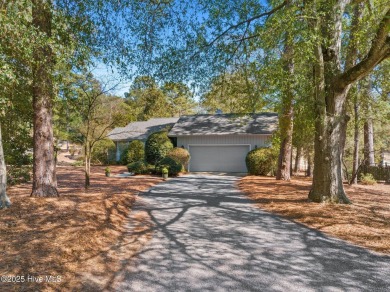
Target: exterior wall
pixel 252 140
pixel 120 147
pixel 225 158
pixel 385 158
pixel 111 156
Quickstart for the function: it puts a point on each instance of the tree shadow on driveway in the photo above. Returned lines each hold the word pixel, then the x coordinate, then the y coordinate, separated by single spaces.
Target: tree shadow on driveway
pixel 209 237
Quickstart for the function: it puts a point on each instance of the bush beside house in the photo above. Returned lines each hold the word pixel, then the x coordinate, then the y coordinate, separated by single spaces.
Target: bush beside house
pixel 139 167
pixel 180 155
pixel 153 157
pixel 157 146
pixel 173 166
pixel 261 161
pixel 134 152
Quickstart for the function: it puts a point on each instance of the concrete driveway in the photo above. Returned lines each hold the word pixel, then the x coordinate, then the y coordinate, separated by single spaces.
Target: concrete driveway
pixel 209 237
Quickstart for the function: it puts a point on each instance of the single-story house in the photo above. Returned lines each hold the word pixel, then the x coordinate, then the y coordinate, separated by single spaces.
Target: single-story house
pixel 138 131
pixel 385 158
pixel 221 142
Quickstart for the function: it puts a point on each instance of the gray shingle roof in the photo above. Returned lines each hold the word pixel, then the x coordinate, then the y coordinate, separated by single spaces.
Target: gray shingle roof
pixel 141 130
pixel 225 124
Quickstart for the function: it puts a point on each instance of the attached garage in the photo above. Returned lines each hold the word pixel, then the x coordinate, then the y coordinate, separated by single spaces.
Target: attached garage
pixel 220 143
pixel 218 158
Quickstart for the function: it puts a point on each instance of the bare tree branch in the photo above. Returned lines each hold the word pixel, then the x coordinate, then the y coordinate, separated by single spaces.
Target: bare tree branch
pixel 248 38
pixel 239 44
pixel 247 21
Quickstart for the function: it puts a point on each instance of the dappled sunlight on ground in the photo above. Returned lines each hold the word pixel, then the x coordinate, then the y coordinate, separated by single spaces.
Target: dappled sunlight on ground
pixel 366 222
pixel 72 235
pixel 208 236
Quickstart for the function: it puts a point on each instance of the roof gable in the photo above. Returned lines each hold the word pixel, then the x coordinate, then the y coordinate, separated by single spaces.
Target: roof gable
pixel 225 124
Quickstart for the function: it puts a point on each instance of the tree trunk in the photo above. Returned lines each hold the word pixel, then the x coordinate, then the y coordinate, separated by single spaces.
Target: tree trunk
pixel 4 200
pixel 327 178
pixel 343 140
pixel 44 173
pixel 369 151
pixel 356 140
pixel 87 167
pixel 332 86
pixel 368 133
pixel 330 111
pixel 351 59
pixel 297 159
pixel 309 171
pixel 286 117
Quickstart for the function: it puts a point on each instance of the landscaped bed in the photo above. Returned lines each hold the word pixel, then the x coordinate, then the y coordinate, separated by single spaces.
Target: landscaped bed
pixel 76 238
pixel 366 222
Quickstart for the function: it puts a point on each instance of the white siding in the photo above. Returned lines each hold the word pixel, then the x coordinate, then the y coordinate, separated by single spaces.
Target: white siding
pixel 385 158
pixel 223 158
pixel 120 147
pixel 252 140
pixel 230 159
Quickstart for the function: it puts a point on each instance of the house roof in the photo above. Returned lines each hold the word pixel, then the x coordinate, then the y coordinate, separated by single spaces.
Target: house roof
pixel 225 124
pixel 141 130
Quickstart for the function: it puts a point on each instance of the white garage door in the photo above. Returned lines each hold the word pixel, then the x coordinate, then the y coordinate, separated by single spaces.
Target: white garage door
pixel 224 158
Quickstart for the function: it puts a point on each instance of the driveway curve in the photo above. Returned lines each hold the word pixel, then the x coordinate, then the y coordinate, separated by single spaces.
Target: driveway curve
pixel 210 237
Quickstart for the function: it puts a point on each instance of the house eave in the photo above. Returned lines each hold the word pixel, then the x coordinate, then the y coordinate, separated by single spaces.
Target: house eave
pixel 219 134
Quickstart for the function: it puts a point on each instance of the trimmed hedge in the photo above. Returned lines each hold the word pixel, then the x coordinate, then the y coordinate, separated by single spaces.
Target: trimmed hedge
pixel 180 155
pixel 138 167
pixel 157 146
pixel 261 161
pixel 174 167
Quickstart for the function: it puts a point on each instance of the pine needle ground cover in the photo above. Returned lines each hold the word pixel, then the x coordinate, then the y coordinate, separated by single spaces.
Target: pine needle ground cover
pixel 366 222
pixel 78 241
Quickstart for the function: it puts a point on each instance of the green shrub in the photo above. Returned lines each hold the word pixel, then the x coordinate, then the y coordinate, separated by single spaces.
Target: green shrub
pixel 17 139
pixel 380 173
pixel 367 179
pixel 180 155
pixel 78 163
pixel 100 151
pixel 172 165
pixel 261 161
pixel 123 157
pixel 138 167
pixel 157 146
pixel 135 152
pixel 18 174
